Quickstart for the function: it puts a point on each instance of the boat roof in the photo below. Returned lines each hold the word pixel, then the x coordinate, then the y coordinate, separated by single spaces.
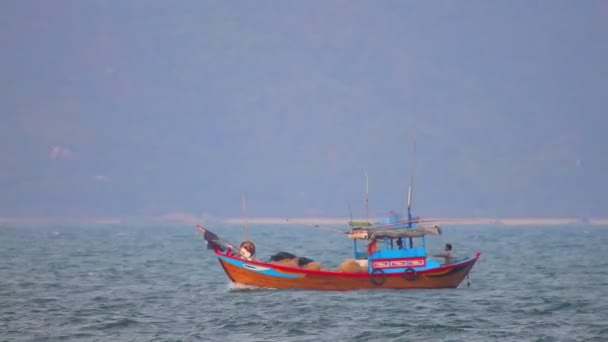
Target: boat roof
pixel 377 233
pixel 359 224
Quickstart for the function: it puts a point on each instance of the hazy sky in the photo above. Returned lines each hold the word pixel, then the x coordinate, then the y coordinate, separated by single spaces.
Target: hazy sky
pixel 131 108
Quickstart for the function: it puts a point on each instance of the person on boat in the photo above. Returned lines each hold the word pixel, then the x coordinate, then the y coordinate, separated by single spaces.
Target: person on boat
pixel 400 243
pixel 247 250
pixel 372 247
pixel 447 254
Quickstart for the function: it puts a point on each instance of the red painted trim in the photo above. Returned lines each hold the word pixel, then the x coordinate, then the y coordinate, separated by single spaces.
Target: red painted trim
pixel 344 274
pixel 389 261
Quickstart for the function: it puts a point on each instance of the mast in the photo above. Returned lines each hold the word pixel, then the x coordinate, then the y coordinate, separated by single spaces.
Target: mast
pixel 366 199
pixel 410 189
pixel 410 193
pixel 245 218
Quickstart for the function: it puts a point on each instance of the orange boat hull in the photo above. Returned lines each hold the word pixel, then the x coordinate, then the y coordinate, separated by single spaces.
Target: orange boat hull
pixel 449 276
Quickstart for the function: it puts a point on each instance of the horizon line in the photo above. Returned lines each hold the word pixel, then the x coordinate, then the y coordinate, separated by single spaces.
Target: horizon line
pixel 337 220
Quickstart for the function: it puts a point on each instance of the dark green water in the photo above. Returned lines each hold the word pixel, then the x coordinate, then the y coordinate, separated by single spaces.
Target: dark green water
pixel 159 283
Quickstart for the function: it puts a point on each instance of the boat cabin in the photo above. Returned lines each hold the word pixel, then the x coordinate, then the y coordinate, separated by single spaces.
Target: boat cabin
pixel 392 248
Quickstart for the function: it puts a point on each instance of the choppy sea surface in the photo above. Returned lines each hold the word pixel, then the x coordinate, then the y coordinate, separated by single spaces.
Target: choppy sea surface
pixel 159 283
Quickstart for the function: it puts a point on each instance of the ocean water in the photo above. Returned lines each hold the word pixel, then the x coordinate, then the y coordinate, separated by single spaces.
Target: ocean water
pixel 160 283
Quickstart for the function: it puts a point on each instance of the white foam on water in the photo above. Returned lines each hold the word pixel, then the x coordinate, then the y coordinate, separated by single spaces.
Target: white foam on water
pixel 243 287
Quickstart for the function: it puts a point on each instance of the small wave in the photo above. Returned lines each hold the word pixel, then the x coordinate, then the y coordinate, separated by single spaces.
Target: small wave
pixel 243 287
pixel 121 323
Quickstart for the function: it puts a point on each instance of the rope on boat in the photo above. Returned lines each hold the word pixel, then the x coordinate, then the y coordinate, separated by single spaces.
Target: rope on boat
pixel 410 274
pixel 373 277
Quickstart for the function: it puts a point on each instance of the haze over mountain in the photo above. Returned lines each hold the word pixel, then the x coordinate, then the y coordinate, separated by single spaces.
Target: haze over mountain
pixel 142 108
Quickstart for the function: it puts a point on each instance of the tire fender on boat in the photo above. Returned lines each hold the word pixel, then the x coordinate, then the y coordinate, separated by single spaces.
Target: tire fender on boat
pixel 410 274
pixel 377 280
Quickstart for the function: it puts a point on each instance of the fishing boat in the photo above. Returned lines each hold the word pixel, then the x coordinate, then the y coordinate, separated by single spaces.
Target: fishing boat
pixel 395 266
pixel 394 257
pixel 385 256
